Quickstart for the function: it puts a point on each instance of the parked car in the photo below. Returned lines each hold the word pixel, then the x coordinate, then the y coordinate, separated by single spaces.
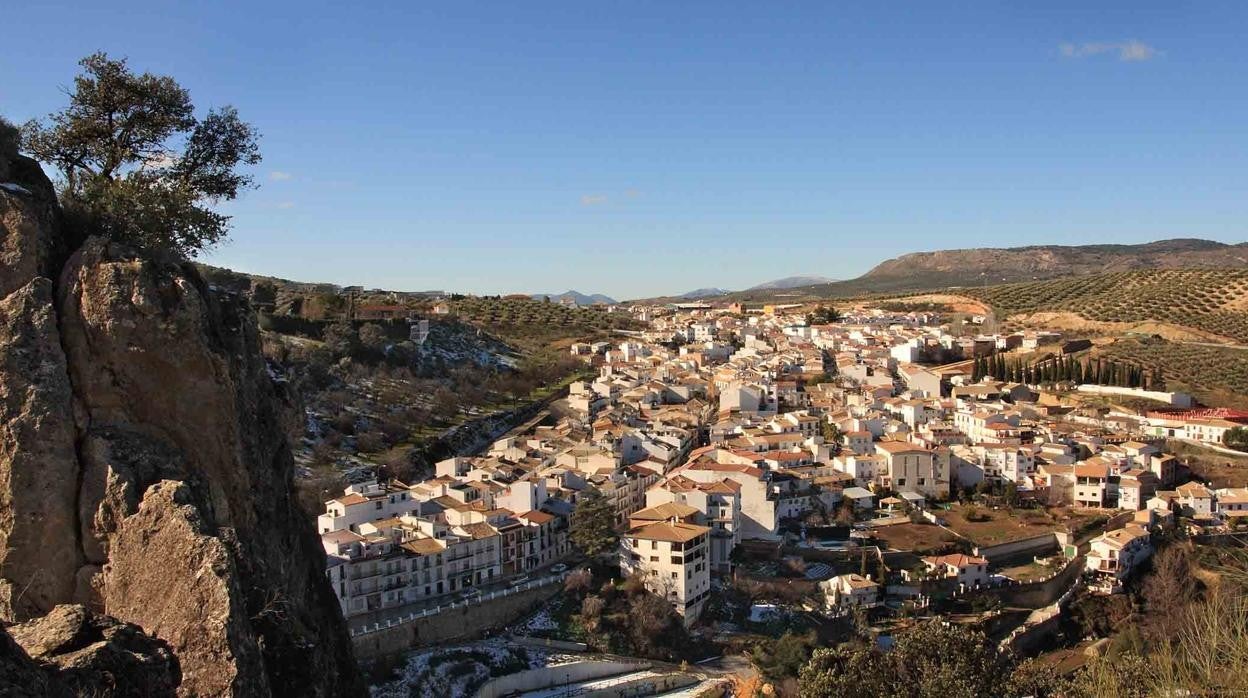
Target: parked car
pixel 470 594
pixel 559 568
pixel 517 581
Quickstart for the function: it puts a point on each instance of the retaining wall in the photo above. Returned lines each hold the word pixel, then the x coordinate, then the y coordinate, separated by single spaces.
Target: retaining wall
pixel 543 677
pixel 1014 547
pixel 456 624
pixel 649 686
pixel 1039 594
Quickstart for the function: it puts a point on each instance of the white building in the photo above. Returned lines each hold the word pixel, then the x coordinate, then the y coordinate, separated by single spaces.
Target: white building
pixel 849 591
pixel 1115 554
pixel 672 559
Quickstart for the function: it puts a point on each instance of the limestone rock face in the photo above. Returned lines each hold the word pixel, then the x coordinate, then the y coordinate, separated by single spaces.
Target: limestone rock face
pixel 166 574
pixel 93 655
pixel 145 472
pixel 170 384
pixel 39 552
pixel 30 242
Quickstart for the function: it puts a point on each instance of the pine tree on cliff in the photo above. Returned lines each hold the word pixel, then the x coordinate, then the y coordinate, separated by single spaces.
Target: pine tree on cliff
pixel 137 165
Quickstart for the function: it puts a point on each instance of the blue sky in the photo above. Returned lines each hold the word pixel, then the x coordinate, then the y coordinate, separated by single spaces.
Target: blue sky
pixel 638 148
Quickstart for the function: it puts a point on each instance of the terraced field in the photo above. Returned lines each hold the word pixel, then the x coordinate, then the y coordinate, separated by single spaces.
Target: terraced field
pixel 1214 301
pixel 1216 375
pixel 526 321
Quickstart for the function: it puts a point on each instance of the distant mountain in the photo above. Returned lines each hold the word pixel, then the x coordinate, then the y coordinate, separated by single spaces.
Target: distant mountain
pixel 580 298
pixel 704 293
pixel 792 282
pixel 925 271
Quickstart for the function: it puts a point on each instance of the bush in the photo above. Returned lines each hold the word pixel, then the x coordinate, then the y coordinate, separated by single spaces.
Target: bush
pixel 9 139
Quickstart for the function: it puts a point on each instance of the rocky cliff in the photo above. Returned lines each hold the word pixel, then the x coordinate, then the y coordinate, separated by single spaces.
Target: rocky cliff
pixel 145 475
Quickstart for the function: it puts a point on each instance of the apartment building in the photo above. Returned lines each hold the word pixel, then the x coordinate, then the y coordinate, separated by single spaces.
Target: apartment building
pixel 671 556
pixel 438 548
pixel 719 507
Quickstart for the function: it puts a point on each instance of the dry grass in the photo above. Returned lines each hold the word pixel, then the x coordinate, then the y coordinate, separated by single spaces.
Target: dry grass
pixel 1003 526
pixel 1222 469
pixel 914 537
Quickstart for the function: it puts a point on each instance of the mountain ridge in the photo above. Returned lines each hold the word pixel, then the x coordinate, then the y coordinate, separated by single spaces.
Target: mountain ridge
pixel 577 296
pixel 795 281
pixel 986 266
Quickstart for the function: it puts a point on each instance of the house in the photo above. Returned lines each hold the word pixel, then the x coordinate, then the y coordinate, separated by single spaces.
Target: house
pixel 381 312
pixel 1115 554
pixel 1135 488
pixel 849 591
pixel 363 502
pixel 1232 504
pixel 1092 484
pixel 858 442
pixel 970 571
pixel 863 500
pixel 1194 500
pixel 910 467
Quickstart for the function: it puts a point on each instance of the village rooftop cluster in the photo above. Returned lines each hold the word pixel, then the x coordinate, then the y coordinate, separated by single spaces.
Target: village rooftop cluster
pixel 721 430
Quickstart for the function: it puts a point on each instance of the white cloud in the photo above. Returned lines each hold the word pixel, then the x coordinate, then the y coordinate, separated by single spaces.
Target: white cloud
pixel 593 199
pixel 279 176
pixel 1130 50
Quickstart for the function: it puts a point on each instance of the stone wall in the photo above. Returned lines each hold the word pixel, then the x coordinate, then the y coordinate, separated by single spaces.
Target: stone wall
pixel 1014 547
pixel 452 625
pixel 543 677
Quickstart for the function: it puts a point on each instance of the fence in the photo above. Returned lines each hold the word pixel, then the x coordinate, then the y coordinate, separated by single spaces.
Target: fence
pixel 471 601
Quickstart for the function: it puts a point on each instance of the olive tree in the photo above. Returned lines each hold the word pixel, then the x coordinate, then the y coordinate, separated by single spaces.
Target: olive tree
pixel 135 162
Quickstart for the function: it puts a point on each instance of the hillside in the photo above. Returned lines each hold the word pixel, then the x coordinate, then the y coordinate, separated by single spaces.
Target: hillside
pixel 921 271
pixel 699 293
pixel 576 297
pixel 1212 302
pixel 1217 376
pixel 792 282
pixel 525 322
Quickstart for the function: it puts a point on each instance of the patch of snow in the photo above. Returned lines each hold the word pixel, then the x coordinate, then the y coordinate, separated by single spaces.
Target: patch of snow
pixel 457 671
pixel 541 620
